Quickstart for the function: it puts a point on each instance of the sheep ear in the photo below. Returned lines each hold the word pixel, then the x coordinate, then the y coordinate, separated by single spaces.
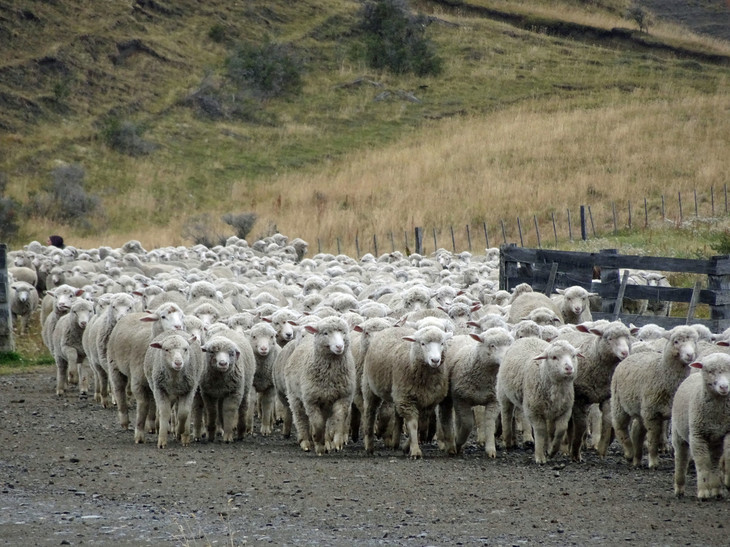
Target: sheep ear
pixel 475 337
pixel 311 329
pixel 696 364
pixel 473 324
pixel 597 332
pixel 582 328
pixel 156 345
pixel 149 319
pixel 541 357
pixel 580 355
pixel 357 328
pixel 560 291
pixel 476 307
pixel 723 343
pixel 267 319
pixel 409 339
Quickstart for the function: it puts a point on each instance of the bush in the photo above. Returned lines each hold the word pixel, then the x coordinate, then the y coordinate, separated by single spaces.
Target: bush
pixel 200 230
pixel 395 39
pixel 65 198
pixel 9 209
pixel 267 70
pixel 217 33
pixel 126 138
pixel 721 244
pixel 241 222
pixel 640 16
pixel 213 101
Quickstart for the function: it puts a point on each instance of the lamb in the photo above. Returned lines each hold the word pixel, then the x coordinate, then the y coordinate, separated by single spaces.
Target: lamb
pixel 23 302
pixel 701 425
pixel 642 389
pixel 601 348
pixel 173 365
pixel 262 337
pixel 67 349
pixel 574 304
pixel 537 377
pixel 404 367
pixel 226 384
pixel 472 368
pixel 126 349
pixel 320 385
pixel 96 339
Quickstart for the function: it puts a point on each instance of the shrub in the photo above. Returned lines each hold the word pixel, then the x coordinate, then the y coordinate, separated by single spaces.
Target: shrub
pixel 217 33
pixel 395 39
pixel 9 209
pixel 721 244
pixel 200 230
pixel 640 16
pixel 65 198
pixel 268 70
pixel 126 137
pixel 241 222
pixel 214 101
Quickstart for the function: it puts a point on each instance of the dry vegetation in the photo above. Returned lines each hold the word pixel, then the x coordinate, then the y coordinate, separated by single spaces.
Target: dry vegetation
pixel 522 122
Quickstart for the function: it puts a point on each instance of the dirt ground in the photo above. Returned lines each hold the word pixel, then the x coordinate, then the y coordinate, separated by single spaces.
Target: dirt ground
pixel 70 475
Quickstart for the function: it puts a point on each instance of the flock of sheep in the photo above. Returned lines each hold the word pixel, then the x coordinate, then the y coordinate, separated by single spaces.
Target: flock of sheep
pixel 384 349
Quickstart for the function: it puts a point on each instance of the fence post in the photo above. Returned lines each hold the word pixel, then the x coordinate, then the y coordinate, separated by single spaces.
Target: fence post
pixel 555 228
pixel 357 247
pixel 435 245
pixel 609 276
pixel 392 243
pixel 593 226
pixel 697 213
pixel 453 241
pixel 537 231
pixel 646 215
pixel 615 225
pixel 468 237
pixel 338 246
pixel 375 245
pixel 681 217
pixel 486 236
pixel 570 227
pixel 712 200
pixel 519 229
pixel 419 240
pixel 7 343
pixel 319 246
pixel 504 232
pixel 583 234
pixel 664 213
pixel 719 281
pixel 629 214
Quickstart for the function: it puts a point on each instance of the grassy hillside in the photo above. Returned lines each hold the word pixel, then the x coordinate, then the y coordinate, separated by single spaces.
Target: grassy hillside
pixel 541 106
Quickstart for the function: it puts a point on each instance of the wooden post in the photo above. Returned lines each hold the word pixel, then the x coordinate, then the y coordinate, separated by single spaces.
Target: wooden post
pixel 405 240
pixel 679 194
pixel 468 237
pixel 375 245
pixel 504 232
pixel 319 246
pixel 664 214
pixel 486 236
pixel 453 241
pixel 609 277
pixel 537 231
pixel 620 296
pixel 697 212
pixel 629 214
pixel 646 215
pixel 392 243
pixel 725 187
pixel 357 246
pixel 693 302
pixel 570 228
pixel 593 226
pixel 583 233
pixel 719 280
pixel 550 285
pixel 435 245
pixel 419 240
pixel 7 343
pixel 615 224
pixel 712 200
pixel 338 246
pixel 519 229
pixel 555 229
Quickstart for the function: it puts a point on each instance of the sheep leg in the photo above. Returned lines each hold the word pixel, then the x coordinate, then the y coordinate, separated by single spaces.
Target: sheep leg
pixel 463 423
pixel 621 421
pixel 83 370
pixel 61 375
pixel 301 422
pixel 638 435
pixel 410 417
pixel 606 429
pixel 338 423
pixel 229 415
pixel 370 404
pixel 725 462
pixel 211 416
pixel 317 423
pixel 355 422
pixel 164 410
pixel 654 432
pixel 445 426
pixel 708 478
pixel 558 430
pixel 578 433
pixel 524 426
pixel 480 421
pixel 267 411
pixel 394 442
pixel 508 420
pixel 283 405
pixel 245 412
pixel 184 406
pixel 681 460
pixel 119 389
pixel 541 434
pixel 143 405
pixel 198 409
pixel 491 413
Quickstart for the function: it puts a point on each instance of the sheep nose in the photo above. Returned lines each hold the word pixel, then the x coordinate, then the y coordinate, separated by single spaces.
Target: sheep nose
pixel 263 351
pixel 82 324
pixel 435 361
pixel 568 369
pixel 723 389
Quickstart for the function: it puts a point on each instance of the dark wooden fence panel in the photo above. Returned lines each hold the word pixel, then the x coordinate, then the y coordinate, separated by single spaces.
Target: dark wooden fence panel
pixel 522 265
pixel 6 326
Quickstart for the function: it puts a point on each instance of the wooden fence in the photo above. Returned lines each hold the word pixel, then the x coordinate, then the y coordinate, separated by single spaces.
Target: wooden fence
pixel 546 270
pixel 541 231
pixel 6 326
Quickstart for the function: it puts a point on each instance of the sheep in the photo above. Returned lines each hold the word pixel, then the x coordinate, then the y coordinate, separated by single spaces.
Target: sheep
pixel 23 273
pixel 126 349
pixel 642 388
pixel 262 337
pixel 60 299
pixel 601 348
pixel 537 377
pixel 320 385
pixel 544 316
pixel 472 367
pixel 283 321
pixel 574 304
pixel 96 339
pixel 404 367
pixel 173 365
pixel 661 308
pixel 701 425
pixel 526 302
pixel 24 301
pixel 66 346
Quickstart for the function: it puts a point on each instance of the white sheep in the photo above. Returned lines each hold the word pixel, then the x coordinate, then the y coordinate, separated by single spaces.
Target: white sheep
pixel 23 302
pixel 126 349
pixel 320 385
pixel 284 322
pixel 526 302
pixel 642 389
pixel 173 365
pixel 574 304
pixel 472 362
pixel 602 347
pixel 60 300
pixel 701 427
pixel 661 308
pixel 404 367
pixel 537 377
pixel 67 348
pixel 262 337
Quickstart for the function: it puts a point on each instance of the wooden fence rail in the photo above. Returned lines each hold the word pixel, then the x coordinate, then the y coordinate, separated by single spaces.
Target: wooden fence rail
pixel 599 272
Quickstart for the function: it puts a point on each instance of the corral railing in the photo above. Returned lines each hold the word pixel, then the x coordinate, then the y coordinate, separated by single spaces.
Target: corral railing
pixel 6 326
pixel 546 270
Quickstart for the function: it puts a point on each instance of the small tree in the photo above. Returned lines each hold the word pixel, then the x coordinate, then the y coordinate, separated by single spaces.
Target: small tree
pixel 640 16
pixel 267 70
pixel 241 222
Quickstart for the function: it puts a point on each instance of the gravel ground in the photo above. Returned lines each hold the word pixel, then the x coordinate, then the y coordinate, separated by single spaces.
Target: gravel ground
pixel 70 475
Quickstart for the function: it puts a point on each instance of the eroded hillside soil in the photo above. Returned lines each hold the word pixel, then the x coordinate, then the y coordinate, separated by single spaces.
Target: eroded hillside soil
pixel 70 475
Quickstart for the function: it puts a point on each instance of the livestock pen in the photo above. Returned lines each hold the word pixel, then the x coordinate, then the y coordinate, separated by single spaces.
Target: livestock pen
pixel 546 270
